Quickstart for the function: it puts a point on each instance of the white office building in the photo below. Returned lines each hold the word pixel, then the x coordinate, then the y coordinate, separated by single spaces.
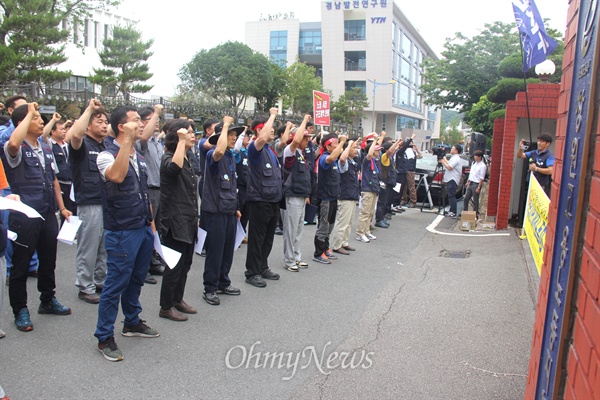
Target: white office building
pixel 369 45
pixel 83 46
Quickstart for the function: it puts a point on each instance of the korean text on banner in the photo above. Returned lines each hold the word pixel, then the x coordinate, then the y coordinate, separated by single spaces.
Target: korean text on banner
pixel 536 220
pixel 321 106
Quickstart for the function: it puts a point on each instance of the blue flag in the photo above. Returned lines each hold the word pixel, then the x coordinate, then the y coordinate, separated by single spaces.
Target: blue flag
pixel 537 45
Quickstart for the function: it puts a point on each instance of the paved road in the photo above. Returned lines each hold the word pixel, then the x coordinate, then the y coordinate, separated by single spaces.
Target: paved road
pixel 419 327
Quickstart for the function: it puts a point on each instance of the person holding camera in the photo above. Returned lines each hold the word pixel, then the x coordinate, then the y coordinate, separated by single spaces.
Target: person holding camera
pixel 541 161
pixel 452 176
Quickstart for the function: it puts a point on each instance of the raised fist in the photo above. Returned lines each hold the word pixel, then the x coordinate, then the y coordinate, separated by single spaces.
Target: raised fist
pixel 158 108
pixel 227 120
pixel 273 111
pixel 131 129
pixel 182 134
pixel 56 117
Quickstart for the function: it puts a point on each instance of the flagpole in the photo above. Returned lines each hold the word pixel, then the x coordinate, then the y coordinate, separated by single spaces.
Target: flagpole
pixel 526 91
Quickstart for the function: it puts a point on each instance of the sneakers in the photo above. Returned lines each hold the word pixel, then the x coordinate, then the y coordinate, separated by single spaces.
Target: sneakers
pixel 91 298
pixel 382 224
pixel 451 215
pixel 2 334
pixel 23 321
pixel 53 307
pixel 321 259
pixel 330 255
pixel 362 238
pixel 230 290
pixel 301 264
pixel 139 330
pixel 270 275
pixel 278 231
pixel 293 268
pixel 256 280
pixel 109 349
pixel 211 298
pixel 370 236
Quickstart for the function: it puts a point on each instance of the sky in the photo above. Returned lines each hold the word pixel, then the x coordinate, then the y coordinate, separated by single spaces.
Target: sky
pixel 181 28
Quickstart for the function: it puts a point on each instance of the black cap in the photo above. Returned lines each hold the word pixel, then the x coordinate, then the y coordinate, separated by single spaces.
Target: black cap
pixel 215 136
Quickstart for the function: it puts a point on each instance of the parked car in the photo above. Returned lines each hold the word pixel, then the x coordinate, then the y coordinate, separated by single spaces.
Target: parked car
pixel 426 167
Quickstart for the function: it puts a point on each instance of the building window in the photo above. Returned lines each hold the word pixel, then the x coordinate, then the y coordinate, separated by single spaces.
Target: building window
pixel 75 32
pixel 406 45
pixel 105 31
pixel 355 60
pixel 310 42
pixel 278 47
pixel 86 33
pixel 362 85
pixel 430 125
pixel 354 30
pixel 96 27
pixel 407 122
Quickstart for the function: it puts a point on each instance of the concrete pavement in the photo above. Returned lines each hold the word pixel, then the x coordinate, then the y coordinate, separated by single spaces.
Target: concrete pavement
pixel 419 326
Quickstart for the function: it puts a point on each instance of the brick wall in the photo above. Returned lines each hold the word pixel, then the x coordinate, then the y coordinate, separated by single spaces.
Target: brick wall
pixel 583 361
pixel 543 104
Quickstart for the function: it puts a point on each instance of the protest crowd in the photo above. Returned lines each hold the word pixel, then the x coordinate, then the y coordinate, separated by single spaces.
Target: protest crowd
pixel 136 188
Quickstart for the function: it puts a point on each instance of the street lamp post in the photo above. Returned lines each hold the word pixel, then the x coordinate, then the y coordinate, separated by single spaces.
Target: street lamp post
pixel 375 85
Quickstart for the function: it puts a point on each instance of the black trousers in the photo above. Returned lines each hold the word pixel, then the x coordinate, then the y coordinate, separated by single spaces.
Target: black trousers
pixel 401 179
pixel 381 203
pixel 34 234
pixel 65 190
pixel 261 231
pixel 244 207
pixel 174 280
pixel 219 245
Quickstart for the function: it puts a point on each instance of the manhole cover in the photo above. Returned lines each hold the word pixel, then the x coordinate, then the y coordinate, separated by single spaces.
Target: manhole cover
pixel 455 254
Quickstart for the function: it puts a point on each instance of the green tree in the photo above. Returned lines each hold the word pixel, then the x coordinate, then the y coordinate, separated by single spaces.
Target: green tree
pixel 230 73
pixel 268 96
pixel 468 67
pixel 301 81
pixel 32 40
pixel 482 114
pixel 451 134
pixel 124 57
pixel 348 108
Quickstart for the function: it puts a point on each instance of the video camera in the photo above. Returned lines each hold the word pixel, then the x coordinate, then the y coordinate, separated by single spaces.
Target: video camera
pixel 439 151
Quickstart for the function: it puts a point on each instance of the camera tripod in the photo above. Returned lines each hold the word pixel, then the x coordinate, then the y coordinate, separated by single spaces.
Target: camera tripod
pixel 439 169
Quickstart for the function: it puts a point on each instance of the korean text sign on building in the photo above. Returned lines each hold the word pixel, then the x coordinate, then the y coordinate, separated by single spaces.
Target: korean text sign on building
pixel 321 108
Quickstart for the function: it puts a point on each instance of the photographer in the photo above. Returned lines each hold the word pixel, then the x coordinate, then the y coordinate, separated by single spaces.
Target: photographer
pixel 541 161
pixel 452 176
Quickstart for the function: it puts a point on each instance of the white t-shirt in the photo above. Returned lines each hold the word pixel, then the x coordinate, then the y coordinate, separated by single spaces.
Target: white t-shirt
pixel 454 173
pixel 106 159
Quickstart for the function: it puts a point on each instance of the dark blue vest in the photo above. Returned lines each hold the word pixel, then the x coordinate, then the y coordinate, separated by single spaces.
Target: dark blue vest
pixel 33 183
pixel 219 194
pixel 126 204
pixel 328 181
pixel 297 182
pixel 540 160
pixel 264 179
pixel 349 185
pixel 86 178
pixel 64 171
pixel 309 153
pixel 370 176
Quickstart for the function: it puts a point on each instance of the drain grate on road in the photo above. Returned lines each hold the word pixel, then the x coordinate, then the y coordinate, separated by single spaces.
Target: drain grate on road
pixel 455 254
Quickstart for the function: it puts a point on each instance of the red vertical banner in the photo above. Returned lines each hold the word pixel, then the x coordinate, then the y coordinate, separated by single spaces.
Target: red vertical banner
pixel 321 108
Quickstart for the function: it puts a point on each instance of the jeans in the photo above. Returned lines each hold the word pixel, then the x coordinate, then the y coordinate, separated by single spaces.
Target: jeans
pixel 128 260
pixel 327 211
pixel 451 186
